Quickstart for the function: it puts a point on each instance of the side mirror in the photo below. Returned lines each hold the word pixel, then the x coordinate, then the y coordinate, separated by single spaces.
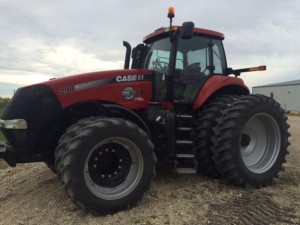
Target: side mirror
pixel 187 30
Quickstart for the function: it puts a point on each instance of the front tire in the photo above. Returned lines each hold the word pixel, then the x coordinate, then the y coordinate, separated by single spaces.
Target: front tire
pixel 108 165
pixel 250 141
pixel 64 141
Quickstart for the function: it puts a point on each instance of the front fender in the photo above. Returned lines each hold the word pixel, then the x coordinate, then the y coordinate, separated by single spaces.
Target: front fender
pixel 128 114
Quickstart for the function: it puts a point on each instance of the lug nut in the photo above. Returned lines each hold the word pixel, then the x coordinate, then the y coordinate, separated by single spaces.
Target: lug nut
pixel 120 160
pixel 106 150
pixel 113 150
pixel 100 153
pixel 96 158
pixel 115 172
pixel 119 167
pixel 102 176
pixel 95 166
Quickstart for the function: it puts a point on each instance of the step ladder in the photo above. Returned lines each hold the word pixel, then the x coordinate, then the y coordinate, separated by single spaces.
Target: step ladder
pixel 185 150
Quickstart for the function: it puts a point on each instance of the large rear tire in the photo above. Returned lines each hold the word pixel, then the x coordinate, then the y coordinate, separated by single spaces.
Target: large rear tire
pixel 250 141
pixel 204 124
pixel 108 165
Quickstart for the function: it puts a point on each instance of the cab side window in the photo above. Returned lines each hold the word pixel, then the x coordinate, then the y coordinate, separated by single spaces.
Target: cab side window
pixel 218 56
pixel 198 56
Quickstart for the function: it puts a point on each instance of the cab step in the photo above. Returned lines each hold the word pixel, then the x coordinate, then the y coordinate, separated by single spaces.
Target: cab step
pixel 185 156
pixel 184 128
pixel 186 170
pixel 187 142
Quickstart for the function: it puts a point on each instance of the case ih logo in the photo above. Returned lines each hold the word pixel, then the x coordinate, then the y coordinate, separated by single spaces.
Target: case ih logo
pixel 128 93
pixel 129 78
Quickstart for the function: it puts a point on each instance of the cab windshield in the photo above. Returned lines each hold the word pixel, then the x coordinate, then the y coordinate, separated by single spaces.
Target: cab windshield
pixel 193 55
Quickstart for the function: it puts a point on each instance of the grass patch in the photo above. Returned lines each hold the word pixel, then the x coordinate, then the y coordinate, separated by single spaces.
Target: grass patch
pixel 3 104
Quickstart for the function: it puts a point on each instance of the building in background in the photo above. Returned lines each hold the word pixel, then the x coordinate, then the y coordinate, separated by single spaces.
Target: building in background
pixel 286 93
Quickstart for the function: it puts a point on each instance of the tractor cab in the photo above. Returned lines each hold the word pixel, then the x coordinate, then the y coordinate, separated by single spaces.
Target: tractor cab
pixel 182 58
pixel 183 64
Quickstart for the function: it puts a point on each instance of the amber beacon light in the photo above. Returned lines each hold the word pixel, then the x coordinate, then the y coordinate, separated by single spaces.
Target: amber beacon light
pixel 171 12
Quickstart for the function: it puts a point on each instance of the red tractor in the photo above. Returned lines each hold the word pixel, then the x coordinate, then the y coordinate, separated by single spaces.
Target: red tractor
pixel 103 132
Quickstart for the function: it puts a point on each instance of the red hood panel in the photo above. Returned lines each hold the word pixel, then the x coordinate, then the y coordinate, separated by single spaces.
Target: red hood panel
pixel 130 88
pixel 87 77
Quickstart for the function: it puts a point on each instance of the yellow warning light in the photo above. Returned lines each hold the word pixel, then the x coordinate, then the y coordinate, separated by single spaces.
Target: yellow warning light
pixel 171 12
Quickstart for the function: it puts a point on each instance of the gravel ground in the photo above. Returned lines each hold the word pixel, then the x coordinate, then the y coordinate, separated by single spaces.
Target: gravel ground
pixel 32 194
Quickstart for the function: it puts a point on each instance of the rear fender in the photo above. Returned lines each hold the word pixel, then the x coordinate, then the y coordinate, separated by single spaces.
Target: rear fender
pixel 217 85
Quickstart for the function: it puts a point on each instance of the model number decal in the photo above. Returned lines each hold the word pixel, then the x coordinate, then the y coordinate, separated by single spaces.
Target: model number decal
pixel 86 85
pixel 66 90
pixel 129 78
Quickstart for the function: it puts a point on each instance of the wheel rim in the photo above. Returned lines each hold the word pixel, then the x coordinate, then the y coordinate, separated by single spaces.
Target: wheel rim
pixel 113 168
pixel 260 143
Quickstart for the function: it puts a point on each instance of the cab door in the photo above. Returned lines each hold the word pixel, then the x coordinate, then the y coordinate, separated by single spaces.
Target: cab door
pixel 198 59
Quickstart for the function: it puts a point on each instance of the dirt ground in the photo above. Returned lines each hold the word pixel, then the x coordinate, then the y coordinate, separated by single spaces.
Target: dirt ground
pixel 32 194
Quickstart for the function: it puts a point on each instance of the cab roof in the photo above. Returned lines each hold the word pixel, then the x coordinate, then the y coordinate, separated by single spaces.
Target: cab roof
pixel 164 32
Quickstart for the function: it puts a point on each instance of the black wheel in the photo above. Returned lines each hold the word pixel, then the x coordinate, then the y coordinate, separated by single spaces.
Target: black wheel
pixel 206 121
pixel 251 140
pixel 108 165
pixel 65 139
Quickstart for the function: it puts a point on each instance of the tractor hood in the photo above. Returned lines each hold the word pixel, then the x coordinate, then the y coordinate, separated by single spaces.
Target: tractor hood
pixel 80 82
pixel 107 86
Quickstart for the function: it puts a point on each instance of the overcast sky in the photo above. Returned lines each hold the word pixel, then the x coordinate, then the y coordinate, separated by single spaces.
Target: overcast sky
pixel 40 39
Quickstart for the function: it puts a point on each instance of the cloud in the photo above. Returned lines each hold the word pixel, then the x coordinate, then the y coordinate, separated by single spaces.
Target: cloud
pixel 74 60
pixel 38 61
pixel 44 39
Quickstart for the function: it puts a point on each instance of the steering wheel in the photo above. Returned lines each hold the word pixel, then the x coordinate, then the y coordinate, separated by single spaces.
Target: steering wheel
pixel 160 66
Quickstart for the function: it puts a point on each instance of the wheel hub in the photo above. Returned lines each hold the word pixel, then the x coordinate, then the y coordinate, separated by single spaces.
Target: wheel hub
pixel 260 143
pixel 119 168
pixel 245 140
pixel 109 165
